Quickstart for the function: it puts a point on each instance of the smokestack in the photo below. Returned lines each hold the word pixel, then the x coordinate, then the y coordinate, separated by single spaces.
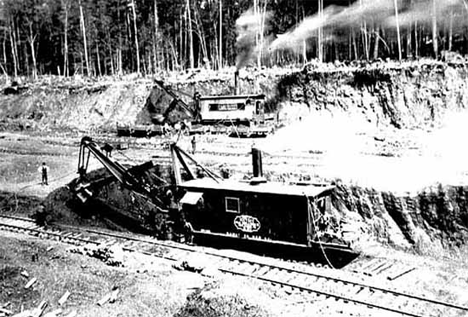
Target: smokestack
pixel 236 82
pixel 257 167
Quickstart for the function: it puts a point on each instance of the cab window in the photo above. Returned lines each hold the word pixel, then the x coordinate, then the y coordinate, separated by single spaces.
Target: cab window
pixel 232 205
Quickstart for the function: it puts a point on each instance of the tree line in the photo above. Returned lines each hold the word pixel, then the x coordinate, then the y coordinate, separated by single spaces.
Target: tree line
pixel 111 37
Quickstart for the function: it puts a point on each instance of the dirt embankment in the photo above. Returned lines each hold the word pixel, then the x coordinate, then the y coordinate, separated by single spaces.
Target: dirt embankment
pixel 412 95
pixel 405 96
pixel 400 102
pixel 428 222
pixel 86 107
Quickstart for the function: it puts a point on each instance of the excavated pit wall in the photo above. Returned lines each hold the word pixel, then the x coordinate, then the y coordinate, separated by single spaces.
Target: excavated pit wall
pixel 406 96
pixel 411 96
pixel 433 220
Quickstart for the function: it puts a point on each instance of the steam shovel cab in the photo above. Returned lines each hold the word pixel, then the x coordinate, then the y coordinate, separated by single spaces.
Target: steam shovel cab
pixel 270 218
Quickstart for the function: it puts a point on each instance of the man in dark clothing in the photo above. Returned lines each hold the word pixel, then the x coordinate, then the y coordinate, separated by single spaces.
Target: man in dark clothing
pixel 41 216
pixel 194 144
pixel 44 170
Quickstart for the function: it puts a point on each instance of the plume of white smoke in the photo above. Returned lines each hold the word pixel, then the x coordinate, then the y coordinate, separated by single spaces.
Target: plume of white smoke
pixel 334 16
pixel 372 11
pixel 422 12
pixel 249 25
pixel 306 29
pixel 360 11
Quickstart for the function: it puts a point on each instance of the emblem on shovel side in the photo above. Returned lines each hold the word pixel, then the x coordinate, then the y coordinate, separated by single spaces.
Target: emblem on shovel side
pixel 246 223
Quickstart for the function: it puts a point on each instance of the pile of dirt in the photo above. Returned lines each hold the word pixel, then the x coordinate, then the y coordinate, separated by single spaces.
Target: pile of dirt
pixel 51 107
pixel 13 203
pixel 229 298
pixel 112 256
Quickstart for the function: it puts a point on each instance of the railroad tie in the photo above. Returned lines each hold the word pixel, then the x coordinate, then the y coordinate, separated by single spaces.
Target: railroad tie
pixel 383 268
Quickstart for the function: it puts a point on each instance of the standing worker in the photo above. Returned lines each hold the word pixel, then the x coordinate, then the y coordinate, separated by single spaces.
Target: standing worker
pixel 44 170
pixel 194 144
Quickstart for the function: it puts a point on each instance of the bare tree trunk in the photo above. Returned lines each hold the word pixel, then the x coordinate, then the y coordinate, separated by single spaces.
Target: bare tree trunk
pixel 261 35
pixel 137 48
pixel 320 32
pixel 24 49
pixel 365 40
pixel 174 55
pixel 416 40
pixel 304 51
pixel 435 43
pixel 350 45
pixel 157 46
pixel 65 39
pixel 220 45
pixel 85 44
pixel 181 41
pixel 4 45
pixel 376 44
pixel 98 58
pixel 201 36
pixel 149 63
pixel 450 41
pixel 256 10
pixel 110 54
pixel 19 48
pixel 190 36
pixel 14 51
pixel 31 41
pixel 398 29
pixel 355 49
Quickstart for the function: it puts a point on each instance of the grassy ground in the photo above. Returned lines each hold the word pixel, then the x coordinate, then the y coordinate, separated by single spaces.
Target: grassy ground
pixel 147 287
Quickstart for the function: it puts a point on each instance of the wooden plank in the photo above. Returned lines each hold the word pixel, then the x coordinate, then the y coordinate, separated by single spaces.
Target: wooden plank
pixel 54 313
pixel 394 277
pixel 6 311
pixel 113 296
pixel 72 314
pixel 30 283
pixel 104 300
pixel 64 298
pixel 37 312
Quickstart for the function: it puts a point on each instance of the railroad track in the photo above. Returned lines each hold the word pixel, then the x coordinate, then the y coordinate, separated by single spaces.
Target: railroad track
pixel 301 278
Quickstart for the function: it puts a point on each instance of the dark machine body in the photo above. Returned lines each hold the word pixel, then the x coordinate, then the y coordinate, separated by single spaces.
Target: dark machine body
pixel 276 219
pixel 242 115
pixel 136 201
pixel 270 218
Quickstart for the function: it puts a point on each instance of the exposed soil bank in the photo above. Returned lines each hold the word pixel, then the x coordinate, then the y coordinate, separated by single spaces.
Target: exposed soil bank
pixel 391 106
pixel 409 95
pixel 433 220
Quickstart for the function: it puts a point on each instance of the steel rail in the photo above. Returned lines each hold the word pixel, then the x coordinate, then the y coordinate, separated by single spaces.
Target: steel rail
pixel 292 270
pixel 233 259
pixel 307 289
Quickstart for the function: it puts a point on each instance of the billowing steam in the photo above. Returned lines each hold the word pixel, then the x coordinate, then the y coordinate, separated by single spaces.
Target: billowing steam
pixel 334 16
pixel 380 12
pixel 422 12
pixel 294 39
pixel 249 25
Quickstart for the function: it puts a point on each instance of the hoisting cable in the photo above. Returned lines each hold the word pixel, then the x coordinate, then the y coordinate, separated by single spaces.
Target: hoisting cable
pixel 311 210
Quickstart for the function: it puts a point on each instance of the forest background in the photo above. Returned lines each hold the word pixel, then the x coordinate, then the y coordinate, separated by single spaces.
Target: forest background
pixel 114 37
